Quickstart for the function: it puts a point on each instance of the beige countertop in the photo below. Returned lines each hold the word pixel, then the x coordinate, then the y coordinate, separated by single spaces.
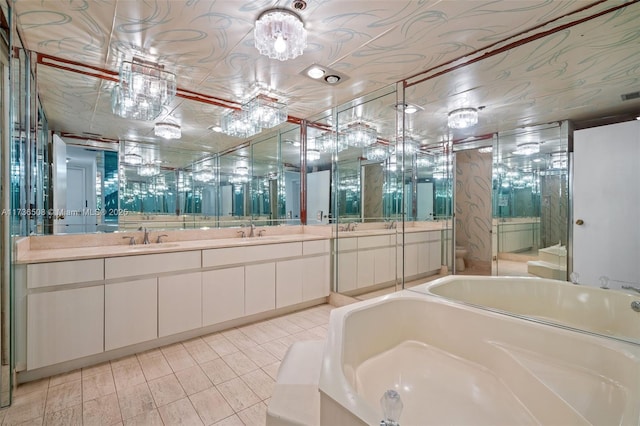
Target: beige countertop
pixel 77 253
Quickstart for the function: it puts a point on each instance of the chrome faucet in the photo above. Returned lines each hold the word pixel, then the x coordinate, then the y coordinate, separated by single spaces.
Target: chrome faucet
pixel 393 225
pixel 352 226
pixel 132 240
pixel 630 287
pixel 159 240
pixel 145 239
pixel 253 230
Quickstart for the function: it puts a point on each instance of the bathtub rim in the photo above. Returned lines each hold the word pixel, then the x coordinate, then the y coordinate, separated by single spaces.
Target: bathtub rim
pixel 425 289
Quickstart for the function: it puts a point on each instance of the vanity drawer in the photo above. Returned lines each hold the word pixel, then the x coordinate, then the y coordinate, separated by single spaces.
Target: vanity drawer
pixel 249 254
pixel 59 273
pixel 130 266
pixel 374 241
pixel 315 247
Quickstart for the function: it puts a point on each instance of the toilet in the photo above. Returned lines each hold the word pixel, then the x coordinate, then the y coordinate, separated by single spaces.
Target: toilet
pixel 461 252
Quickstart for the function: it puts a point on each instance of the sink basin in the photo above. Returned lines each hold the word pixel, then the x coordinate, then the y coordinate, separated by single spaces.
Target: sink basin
pixel 158 246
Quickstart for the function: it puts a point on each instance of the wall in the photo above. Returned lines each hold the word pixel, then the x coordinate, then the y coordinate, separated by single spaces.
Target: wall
pixel 473 207
pixel 553 210
pixel 373 179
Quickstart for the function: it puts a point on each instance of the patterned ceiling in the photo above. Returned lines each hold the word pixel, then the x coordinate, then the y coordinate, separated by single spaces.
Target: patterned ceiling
pixel 525 62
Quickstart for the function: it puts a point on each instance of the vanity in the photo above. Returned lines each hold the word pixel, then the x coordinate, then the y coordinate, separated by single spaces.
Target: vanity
pixel 79 302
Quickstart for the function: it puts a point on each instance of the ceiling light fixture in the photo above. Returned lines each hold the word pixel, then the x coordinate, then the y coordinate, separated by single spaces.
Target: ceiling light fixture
pixel 149 169
pixel 266 112
pixel 143 90
pixel 280 34
pixel 332 79
pixel 315 72
pixel 376 152
pixel 133 159
pixel 359 135
pixel 406 146
pixel 313 154
pixel 485 150
pixel 527 148
pixel 167 130
pixel 407 108
pixel 204 175
pixel 462 118
pixel 238 123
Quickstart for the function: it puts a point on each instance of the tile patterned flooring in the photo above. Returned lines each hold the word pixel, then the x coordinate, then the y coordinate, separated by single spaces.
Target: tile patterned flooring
pixel 224 378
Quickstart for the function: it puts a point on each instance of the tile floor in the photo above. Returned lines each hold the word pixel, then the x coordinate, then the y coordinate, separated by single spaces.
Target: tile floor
pixel 224 378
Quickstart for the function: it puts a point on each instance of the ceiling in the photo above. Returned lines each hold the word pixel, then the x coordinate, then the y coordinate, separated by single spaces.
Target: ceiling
pixel 522 62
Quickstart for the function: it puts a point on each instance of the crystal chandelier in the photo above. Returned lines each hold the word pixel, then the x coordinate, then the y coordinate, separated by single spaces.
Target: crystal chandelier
pixel 280 34
pixel 462 118
pixel 238 123
pixel 204 175
pixel 149 169
pixel 266 112
pixel 133 159
pixel 313 154
pixel 359 135
pixel 143 90
pixel 406 146
pixel 527 148
pixel 376 152
pixel 167 131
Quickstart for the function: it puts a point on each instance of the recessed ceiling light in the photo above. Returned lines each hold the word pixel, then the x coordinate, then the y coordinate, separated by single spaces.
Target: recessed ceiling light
pixel 315 72
pixel 407 107
pixel 217 129
pixel 332 79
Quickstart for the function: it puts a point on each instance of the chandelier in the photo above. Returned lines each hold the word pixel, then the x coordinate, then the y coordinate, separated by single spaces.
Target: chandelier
pixel 376 152
pixel 406 146
pixel 133 159
pixel 527 148
pixel 266 112
pixel 167 130
pixel 280 34
pixel 462 118
pixel 204 175
pixel 143 90
pixel 149 169
pixel 313 154
pixel 238 123
pixel 359 135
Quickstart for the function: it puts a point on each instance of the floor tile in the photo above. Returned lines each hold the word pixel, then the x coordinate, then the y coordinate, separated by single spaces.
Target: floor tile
pixel 180 412
pixel 27 407
pixel 149 418
pixel 96 369
pixel 256 415
pixel 124 361
pixel 256 333
pixel 35 386
pixel 218 371
pixel 154 367
pixel 135 400
pixel 272 369
pixel 211 406
pixel 260 356
pixel 101 411
pixel 70 416
pixel 127 375
pixel 179 359
pixel 193 380
pixel 238 394
pixel 285 325
pixel 239 339
pixel 200 351
pixel 65 378
pixel 260 383
pixel 220 344
pixel 64 395
pixel 240 363
pixel 230 421
pixel 166 390
pixel 98 385
pixel 172 347
pixel 271 330
pixel 276 348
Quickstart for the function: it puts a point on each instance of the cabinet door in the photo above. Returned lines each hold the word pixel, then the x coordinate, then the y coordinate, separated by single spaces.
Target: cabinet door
pixel 289 282
pixel 366 273
pixel 222 295
pixel 316 282
pixel 424 263
pixel 347 271
pixel 179 303
pixel 435 255
pixel 64 325
pixel 131 313
pixel 259 288
pixel 384 262
pixel 410 262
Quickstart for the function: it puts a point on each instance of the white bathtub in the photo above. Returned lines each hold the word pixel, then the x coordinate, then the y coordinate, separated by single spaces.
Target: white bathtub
pixel 591 309
pixel 455 364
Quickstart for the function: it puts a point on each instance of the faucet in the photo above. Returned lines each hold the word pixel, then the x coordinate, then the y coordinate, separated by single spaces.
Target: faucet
pixel 393 225
pixel 159 240
pixel 132 240
pixel 352 226
pixel 253 230
pixel 145 239
pixel 261 232
pixel 630 287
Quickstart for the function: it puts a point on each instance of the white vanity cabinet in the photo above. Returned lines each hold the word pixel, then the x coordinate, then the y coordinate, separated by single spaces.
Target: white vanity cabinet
pixel 289 282
pixel 222 295
pixel 64 325
pixel 259 288
pixel 179 303
pixel 41 275
pixel 130 313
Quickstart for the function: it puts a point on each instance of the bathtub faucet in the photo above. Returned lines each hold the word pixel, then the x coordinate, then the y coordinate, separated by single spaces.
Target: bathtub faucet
pixel 145 239
pixel 391 408
pixel 630 287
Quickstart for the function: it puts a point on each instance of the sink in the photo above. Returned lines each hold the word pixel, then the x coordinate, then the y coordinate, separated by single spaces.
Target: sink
pixel 158 246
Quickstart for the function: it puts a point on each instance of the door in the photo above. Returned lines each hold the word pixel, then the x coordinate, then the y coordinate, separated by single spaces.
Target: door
pixel 75 212
pixel 606 203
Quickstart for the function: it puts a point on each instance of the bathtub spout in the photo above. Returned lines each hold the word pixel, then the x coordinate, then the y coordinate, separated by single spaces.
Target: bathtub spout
pixel 391 408
pixel 630 287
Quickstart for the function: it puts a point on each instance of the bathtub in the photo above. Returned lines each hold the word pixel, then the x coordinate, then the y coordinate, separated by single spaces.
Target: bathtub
pixel 583 308
pixel 455 364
